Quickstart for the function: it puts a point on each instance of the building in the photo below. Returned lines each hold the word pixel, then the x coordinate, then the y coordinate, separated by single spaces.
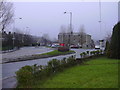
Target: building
pixel 83 40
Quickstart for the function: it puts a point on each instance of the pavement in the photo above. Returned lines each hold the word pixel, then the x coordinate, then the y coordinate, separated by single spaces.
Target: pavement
pixel 11 82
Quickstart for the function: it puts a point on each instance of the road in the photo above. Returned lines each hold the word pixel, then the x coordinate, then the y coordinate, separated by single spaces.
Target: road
pixel 25 51
pixel 9 69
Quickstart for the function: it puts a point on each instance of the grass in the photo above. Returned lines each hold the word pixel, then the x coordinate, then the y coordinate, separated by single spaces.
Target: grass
pixel 6 48
pixel 56 52
pixel 96 73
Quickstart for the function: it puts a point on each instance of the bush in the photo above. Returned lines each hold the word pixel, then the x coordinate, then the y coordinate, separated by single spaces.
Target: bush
pixel 71 61
pixel 84 54
pixel 37 70
pixel 49 68
pixel 81 54
pixel 91 53
pixel 87 53
pixel 94 53
pixel 63 49
pixel 25 75
pixel 101 52
pixel 97 52
pixel 54 65
pixel 64 63
pixel 108 53
pixel 48 71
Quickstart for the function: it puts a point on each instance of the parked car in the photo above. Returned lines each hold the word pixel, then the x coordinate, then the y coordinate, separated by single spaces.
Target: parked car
pixel 49 45
pixel 97 47
pixel 74 46
pixel 55 46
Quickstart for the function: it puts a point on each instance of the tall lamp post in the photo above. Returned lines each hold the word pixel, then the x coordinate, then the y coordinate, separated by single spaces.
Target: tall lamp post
pixel 70 19
pixel 70 25
pixel 100 21
pixel 100 13
pixel 14 33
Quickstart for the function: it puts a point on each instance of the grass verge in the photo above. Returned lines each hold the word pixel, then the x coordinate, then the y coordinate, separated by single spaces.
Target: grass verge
pixel 96 73
pixel 56 52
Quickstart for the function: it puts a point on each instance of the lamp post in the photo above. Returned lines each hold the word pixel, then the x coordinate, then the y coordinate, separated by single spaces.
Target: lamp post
pixel 14 33
pixel 100 15
pixel 70 19
pixel 70 26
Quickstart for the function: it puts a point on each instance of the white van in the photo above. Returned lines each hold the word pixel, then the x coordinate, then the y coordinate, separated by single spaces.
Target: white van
pixel 97 47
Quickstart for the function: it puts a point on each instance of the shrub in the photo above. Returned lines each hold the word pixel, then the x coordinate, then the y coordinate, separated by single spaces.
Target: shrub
pixel 73 56
pixel 56 65
pixel 63 63
pixel 25 75
pixel 87 53
pixel 81 54
pixel 63 49
pixel 91 53
pixel 84 54
pixel 71 61
pixel 108 53
pixel 97 52
pixel 37 71
pixel 101 52
pixel 94 52
pixel 47 71
pixel 49 68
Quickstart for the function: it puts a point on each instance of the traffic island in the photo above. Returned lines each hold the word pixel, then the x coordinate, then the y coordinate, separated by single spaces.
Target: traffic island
pixel 38 56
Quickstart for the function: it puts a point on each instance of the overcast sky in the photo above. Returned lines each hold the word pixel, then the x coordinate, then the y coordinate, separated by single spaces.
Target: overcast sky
pixel 47 17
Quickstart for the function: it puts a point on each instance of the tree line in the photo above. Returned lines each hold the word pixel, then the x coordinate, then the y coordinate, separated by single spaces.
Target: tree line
pixel 15 39
pixel 112 49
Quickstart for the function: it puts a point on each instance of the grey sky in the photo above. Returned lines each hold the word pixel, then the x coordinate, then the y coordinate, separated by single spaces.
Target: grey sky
pixel 47 17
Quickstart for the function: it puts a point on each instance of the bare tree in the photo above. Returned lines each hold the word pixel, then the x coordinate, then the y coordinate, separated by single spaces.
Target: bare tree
pixel 82 35
pixel 63 29
pixel 108 37
pixel 17 30
pixel 6 14
pixel 46 36
pixel 46 39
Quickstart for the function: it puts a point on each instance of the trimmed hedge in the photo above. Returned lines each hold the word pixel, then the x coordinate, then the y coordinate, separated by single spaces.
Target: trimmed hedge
pixel 92 53
pixel 28 75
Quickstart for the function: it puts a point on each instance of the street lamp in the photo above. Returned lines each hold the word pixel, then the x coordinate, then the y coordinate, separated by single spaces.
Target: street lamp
pixel 70 25
pixel 100 14
pixel 70 19
pixel 27 30
pixel 14 32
